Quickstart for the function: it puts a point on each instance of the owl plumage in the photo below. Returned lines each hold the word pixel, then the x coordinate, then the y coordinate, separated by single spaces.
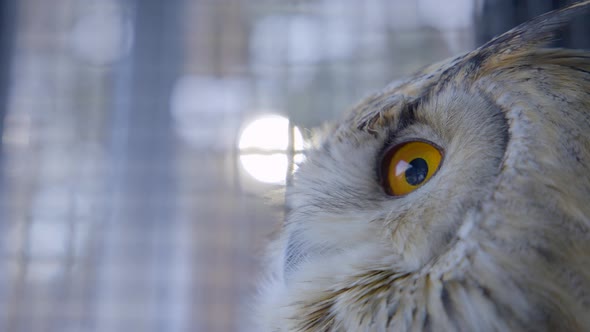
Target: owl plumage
pixel 496 240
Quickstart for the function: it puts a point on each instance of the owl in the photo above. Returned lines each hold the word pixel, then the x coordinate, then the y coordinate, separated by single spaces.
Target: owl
pixel 458 199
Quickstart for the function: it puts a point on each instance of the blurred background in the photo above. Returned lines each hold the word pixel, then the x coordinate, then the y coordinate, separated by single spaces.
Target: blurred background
pixel 140 138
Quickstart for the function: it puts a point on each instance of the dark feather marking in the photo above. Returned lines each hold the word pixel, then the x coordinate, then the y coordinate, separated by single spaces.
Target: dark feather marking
pixel 318 316
pixel 407 115
pixel 476 60
pixel 426 323
pixel 545 254
pixel 579 69
pixel 391 311
pixel 444 297
pixel 446 301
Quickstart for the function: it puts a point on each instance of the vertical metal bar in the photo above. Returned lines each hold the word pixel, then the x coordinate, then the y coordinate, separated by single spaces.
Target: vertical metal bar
pixel 8 17
pixel 142 148
pixel 8 21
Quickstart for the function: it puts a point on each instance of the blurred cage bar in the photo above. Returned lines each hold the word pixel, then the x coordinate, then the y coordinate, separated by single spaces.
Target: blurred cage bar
pixel 124 201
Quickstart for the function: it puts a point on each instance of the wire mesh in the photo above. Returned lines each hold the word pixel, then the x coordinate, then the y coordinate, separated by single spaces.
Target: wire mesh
pixel 124 202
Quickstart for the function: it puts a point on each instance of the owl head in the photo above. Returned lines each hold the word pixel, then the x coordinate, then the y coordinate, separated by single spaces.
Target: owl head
pixel 457 199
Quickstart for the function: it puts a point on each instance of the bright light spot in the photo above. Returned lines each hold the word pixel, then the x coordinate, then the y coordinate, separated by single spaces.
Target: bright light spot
pixel 401 167
pixel 266 168
pixel 268 134
pixel 298 159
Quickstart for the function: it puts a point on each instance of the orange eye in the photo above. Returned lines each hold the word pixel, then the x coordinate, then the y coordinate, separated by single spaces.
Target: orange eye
pixel 409 165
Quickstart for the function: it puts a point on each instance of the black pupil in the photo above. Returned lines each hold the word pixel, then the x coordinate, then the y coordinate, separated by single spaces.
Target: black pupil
pixel 416 173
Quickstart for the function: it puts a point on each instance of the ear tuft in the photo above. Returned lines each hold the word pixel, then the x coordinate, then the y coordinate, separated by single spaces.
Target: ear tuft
pixel 534 33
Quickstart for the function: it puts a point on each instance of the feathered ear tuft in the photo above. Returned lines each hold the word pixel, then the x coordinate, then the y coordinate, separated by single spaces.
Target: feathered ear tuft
pixel 503 50
pixel 534 33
